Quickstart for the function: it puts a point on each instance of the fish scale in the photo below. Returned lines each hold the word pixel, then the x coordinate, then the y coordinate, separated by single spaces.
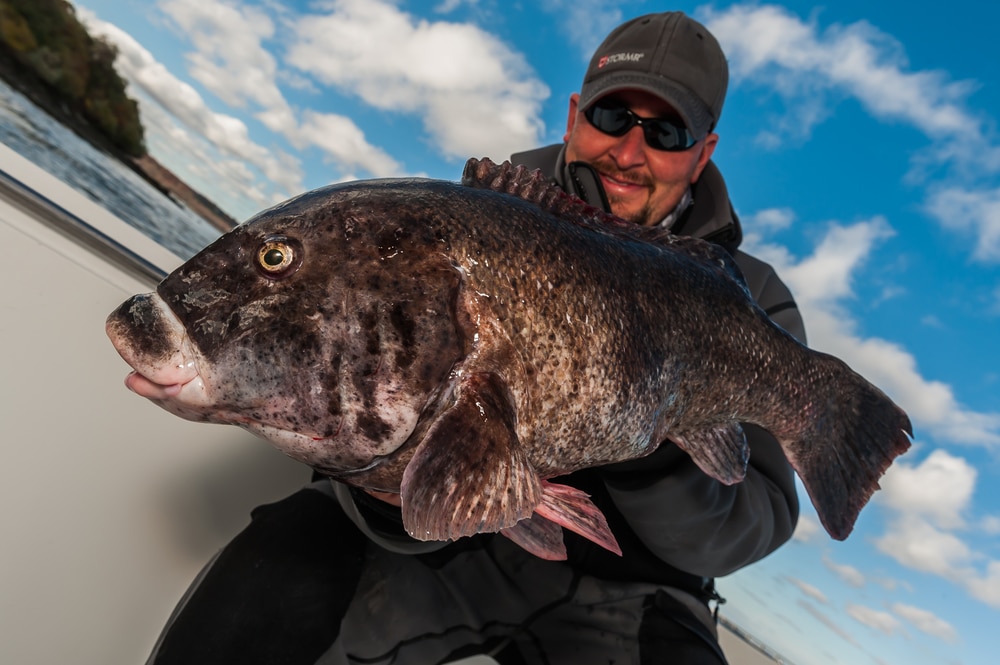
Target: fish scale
pixel 462 343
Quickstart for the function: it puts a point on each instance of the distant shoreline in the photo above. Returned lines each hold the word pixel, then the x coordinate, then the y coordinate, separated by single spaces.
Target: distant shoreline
pixel 146 166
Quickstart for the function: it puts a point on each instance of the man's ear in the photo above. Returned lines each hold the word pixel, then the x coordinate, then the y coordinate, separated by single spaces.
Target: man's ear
pixel 574 101
pixel 707 148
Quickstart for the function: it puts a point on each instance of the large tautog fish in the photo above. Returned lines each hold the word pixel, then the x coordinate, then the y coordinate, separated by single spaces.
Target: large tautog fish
pixel 461 343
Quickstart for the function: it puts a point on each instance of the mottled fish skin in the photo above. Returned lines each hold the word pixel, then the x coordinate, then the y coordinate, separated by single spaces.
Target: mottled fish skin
pixel 460 343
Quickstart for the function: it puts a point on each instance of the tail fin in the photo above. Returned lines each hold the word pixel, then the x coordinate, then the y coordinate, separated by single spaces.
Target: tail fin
pixel 854 432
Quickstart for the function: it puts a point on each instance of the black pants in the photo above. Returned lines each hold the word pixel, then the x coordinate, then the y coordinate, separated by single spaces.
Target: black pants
pixel 301 585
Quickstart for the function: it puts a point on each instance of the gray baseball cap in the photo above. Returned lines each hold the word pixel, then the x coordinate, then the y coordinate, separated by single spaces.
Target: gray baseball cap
pixel 669 55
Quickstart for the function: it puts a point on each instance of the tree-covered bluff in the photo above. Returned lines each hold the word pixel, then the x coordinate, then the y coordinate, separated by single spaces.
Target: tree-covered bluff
pixel 48 54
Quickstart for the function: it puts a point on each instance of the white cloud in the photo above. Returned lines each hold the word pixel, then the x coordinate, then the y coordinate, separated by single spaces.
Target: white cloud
pixel 234 186
pixel 990 525
pixel 807 530
pixel 913 541
pixel 891 584
pixel 771 219
pixel 447 6
pixel 932 321
pixel 826 277
pixel 927 622
pixel 475 95
pixel 849 574
pixel 876 619
pixel 345 142
pixel 828 622
pixel 770 45
pixel 183 101
pixel 809 590
pixel 987 587
pixel 939 489
pixel 230 59
pixel 917 544
pixel 970 211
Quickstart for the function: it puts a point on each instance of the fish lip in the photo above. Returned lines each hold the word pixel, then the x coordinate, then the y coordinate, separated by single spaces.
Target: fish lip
pixel 161 376
pixel 146 386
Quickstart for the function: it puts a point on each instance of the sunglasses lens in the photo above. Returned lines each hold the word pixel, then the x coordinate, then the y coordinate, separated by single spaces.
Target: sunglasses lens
pixel 660 134
pixel 614 120
pixel 665 135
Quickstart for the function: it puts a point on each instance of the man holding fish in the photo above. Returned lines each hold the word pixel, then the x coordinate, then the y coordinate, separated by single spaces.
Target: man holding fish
pixel 330 574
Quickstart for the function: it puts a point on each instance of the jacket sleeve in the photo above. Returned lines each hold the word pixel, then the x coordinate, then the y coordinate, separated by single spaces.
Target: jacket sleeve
pixel 694 522
pixel 697 524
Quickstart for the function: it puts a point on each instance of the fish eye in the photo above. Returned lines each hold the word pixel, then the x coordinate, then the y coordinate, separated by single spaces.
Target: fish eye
pixel 278 256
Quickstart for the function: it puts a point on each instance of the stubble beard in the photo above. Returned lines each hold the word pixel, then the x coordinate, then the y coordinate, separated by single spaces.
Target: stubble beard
pixel 643 215
pixel 640 217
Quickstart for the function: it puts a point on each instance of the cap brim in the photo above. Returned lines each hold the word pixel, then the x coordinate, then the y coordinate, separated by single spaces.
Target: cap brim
pixel 697 118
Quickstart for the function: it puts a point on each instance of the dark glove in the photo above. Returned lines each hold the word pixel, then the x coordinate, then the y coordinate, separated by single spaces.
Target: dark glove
pixel 581 180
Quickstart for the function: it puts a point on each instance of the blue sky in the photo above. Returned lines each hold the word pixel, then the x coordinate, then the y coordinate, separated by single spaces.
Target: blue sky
pixel 860 145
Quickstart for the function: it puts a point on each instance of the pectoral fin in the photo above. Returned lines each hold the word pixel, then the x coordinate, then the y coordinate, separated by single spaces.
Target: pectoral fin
pixel 469 475
pixel 721 452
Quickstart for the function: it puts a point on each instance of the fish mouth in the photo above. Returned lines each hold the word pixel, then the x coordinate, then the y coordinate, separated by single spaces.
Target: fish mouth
pixel 168 370
pixel 145 386
pixel 150 339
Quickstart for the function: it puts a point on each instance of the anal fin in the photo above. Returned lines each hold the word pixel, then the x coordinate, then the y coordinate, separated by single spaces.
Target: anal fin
pixel 572 508
pixel 541 537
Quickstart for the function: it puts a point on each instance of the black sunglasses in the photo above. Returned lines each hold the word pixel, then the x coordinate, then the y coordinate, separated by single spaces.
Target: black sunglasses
pixel 615 119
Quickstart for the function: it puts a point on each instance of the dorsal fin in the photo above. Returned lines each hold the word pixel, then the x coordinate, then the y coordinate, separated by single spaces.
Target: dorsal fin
pixel 533 186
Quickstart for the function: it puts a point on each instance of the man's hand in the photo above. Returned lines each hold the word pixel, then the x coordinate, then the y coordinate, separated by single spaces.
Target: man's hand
pixel 388 497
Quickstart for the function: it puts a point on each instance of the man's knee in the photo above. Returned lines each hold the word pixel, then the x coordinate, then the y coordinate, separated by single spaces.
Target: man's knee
pixel 670 632
pixel 277 593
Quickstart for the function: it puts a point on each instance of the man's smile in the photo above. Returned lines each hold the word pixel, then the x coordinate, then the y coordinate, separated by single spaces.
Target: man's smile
pixel 619 185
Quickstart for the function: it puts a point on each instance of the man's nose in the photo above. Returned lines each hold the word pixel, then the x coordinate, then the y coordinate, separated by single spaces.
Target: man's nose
pixel 630 150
